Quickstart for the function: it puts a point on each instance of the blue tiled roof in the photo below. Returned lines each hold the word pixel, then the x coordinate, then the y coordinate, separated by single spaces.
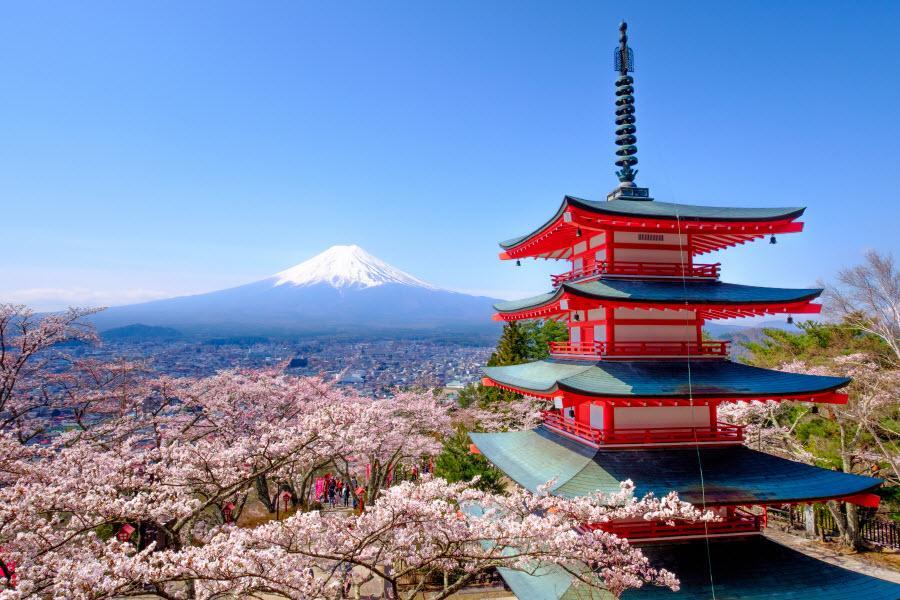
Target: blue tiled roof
pixel 756 569
pixel 665 210
pixel 549 583
pixel 659 378
pixel 753 568
pixel 730 475
pixel 695 292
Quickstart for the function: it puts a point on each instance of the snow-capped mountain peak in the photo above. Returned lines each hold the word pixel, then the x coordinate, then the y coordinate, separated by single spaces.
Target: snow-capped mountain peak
pixel 346 266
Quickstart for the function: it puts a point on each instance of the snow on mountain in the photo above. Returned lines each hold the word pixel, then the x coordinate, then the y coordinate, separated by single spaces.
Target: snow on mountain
pixel 346 266
pixel 344 291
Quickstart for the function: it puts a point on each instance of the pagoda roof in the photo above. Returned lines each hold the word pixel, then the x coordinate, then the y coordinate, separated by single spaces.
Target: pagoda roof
pixel 627 291
pixel 661 379
pixel 756 568
pixel 549 582
pixel 652 209
pixel 750 568
pixel 731 475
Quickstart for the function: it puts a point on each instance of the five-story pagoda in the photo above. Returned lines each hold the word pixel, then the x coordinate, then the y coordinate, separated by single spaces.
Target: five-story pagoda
pixel 634 393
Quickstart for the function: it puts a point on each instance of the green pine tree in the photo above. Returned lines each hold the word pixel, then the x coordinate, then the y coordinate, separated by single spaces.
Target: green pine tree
pixel 457 463
pixel 525 342
pixel 519 343
pixel 539 334
pixel 512 348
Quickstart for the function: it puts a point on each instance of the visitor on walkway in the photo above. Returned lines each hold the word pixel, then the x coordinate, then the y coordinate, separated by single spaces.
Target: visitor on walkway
pixel 331 491
pixel 346 494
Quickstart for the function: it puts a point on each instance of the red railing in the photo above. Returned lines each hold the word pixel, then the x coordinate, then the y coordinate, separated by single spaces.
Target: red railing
pixel 557 421
pixel 720 432
pixel 724 433
pixel 640 269
pixel 738 524
pixel 703 349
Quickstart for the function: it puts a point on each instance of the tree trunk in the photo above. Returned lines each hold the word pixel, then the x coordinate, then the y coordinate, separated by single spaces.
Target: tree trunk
pixel 304 492
pixel 854 537
pixel 809 520
pixel 847 522
pixel 850 535
pixel 374 483
pixel 262 490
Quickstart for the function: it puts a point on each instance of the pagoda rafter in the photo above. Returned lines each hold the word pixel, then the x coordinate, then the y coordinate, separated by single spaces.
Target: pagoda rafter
pixel 711 229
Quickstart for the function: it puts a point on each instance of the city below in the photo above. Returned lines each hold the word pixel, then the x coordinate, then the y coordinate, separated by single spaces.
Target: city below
pixel 375 368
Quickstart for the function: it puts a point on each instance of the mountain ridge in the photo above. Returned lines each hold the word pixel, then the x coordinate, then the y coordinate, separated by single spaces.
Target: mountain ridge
pixel 346 266
pixel 341 290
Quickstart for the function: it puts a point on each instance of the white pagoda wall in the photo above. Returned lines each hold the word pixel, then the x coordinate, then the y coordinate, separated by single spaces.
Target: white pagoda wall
pixel 678 331
pixel 650 253
pixel 661 416
pixel 655 333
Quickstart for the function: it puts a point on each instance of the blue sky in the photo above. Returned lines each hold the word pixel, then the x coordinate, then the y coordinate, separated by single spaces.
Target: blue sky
pixel 150 149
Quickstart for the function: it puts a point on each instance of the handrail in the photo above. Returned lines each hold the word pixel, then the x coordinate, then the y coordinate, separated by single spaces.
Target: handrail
pixel 705 348
pixel 719 432
pixel 640 269
pixel 571 426
pixel 636 530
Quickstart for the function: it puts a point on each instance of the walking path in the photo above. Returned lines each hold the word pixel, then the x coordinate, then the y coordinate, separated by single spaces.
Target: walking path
pixel 852 562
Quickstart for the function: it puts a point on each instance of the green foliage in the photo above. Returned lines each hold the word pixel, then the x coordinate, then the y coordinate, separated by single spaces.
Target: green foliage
pixel 106 531
pixel 457 463
pixel 539 335
pixel 512 348
pixel 519 343
pixel 817 428
pixel 816 343
pixel 525 342
pixel 890 497
pixel 481 396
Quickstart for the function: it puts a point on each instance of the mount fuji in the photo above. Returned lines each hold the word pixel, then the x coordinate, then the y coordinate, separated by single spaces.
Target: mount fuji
pixel 344 291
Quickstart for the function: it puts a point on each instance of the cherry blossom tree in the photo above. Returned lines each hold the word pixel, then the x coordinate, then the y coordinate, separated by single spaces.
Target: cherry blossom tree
pixel 867 297
pixel 522 412
pixel 141 493
pixel 29 361
pixel 168 462
pixel 384 433
pixel 863 433
pixel 412 529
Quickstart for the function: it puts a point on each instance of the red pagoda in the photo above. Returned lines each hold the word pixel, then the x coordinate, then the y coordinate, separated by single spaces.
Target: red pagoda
pixel 634 393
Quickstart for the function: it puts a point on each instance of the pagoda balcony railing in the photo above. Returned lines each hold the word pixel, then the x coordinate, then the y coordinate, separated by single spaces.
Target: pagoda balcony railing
pixel 596 350
pixel 724 433
pixel 640 269
pixel 740 523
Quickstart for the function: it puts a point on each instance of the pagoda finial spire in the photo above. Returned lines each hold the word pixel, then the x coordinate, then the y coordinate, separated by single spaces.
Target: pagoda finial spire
pixel 623 62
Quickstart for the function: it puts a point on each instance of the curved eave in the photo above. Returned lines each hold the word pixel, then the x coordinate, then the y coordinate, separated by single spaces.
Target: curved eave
pixel 684 212
pixel 733 475
pixel 755 568
pixel 638 382
pixel 576 296
pixel 718 227
pixel 574 397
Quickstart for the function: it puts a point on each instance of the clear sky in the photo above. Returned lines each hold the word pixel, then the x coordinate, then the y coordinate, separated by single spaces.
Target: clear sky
pixel 150 149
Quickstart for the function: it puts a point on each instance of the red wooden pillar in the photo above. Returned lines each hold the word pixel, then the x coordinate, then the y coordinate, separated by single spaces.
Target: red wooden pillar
pixel 610 325
pixel 689 250
pixel 583 413
pixel 611 252
pixel 587 332
pixel 609 414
